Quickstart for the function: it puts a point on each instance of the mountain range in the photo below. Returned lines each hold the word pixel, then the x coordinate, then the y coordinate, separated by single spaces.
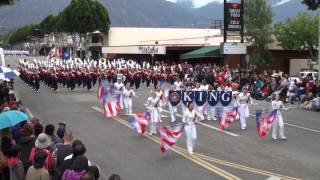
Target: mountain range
pixel 136 13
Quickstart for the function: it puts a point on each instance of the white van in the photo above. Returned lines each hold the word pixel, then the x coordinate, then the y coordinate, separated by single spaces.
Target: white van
pixel 309 74
pixel 2 57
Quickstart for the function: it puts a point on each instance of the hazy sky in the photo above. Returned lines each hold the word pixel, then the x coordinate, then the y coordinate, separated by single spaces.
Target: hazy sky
pixel 199 3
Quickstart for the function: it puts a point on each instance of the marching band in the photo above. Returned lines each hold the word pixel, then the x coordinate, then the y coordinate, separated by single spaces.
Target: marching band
pixel 128 74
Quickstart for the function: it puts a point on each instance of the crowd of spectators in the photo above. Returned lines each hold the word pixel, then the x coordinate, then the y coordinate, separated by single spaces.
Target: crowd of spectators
pixel 33 151
pixel 262 86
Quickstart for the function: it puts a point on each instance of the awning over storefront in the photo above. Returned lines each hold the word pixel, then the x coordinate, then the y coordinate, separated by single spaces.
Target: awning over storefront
pixel 206 52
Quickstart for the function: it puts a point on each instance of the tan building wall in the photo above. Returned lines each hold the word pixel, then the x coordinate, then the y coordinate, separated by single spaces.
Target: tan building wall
pixel 124 36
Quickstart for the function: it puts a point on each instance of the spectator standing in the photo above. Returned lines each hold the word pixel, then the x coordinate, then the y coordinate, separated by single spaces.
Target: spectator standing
pixel 37 171
pixel 43 143
pixel 26 143
pixel 15 164
pixel 78 168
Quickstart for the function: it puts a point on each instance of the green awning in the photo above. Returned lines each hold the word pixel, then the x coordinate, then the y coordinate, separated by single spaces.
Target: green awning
pixel 206 52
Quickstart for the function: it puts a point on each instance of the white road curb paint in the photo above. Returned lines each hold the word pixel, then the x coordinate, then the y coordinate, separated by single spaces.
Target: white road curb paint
pixel 296 126
pixel 273 178
pixel 29 113
pixel 301 127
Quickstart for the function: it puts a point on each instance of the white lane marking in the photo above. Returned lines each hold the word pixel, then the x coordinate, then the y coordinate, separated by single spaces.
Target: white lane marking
pixel 297 126
pixel 29 113
pixel 217 129
pixel 273 178
pixel 301 127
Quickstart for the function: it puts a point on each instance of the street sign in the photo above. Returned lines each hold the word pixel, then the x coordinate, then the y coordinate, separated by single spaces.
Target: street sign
pixel 233 17
pixel 233 48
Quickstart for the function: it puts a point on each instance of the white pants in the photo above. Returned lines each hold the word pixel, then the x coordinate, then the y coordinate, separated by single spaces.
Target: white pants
pixel 275 124
pixel 154 121
pixel 211 112
pixel 128 105
pixel 183 109
pixel 244 114
pixel 173 111
pixel 199 110
pixel 121 101
pixel 191 134
pixel 159 113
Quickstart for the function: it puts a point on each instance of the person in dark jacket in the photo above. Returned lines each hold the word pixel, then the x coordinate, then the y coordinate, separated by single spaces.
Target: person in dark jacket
pixel 26 143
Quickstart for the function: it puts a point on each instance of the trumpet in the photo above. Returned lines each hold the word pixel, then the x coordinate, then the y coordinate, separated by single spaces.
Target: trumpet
pixel 102 61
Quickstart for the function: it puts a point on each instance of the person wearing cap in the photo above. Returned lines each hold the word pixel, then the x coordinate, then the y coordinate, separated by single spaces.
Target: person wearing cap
pixel 278 106
pixel 189 118
pixel 152 104
pixel 128 94
pixel 244 99
pixel 43 143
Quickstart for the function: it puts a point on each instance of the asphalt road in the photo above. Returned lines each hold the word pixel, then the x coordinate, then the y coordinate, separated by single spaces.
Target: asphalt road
pixel 232 154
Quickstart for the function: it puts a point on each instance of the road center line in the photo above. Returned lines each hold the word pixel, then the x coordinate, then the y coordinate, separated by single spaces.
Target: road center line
pixel 183 153
pixel 194 159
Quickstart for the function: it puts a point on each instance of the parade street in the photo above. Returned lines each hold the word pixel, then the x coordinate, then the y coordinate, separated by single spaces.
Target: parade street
pixel 230 154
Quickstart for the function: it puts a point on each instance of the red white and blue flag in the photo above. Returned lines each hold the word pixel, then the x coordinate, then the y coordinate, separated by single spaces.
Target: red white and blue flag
pixel 101 91
pixel 109 99
pixel 139 122
pixel 264 121
pixel 230 117
pixel 111 102
pixel 169 135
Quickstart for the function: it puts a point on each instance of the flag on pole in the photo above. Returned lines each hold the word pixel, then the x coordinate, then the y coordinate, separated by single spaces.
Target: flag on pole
pixel 52 53
pixel 228 119
pixel 139 122
pixel 101 91
pixel 111 102
pixel 264 121
pixel 169 135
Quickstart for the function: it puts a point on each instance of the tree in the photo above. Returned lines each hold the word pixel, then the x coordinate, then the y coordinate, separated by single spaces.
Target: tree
pixel 312 4
pixel 24 34
pixel 299 33
pixel 83 16
pixel 258 29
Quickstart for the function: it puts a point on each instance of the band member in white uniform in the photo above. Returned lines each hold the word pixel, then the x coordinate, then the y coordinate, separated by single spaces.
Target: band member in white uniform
pixel 152 104
pixel 172 109
pixel 211 109
pixel 234 102
pixel 189 118
pixel 178 84
pixel 199 109
pixel 244 101
pixel 128 94
pixel 205 87
pixel 159 94
pixel 183 107
pixel 120 86
pixel 278 105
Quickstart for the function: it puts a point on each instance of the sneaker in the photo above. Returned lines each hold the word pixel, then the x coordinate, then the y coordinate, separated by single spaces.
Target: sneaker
pixel 191 152
pixel 283 138
pixel 274 138
pixel 244 128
